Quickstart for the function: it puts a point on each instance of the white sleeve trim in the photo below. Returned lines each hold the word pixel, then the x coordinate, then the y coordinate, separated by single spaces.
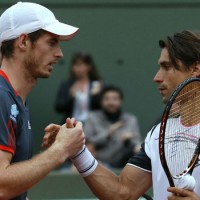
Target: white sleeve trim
pixel 139 167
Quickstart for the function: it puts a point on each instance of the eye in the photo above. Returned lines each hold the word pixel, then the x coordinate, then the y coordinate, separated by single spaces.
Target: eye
pixel 53 42
pixel 166 66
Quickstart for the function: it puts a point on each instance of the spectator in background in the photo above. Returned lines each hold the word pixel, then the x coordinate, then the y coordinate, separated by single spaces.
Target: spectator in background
pixel 0 59
pixel 80 93
pixel 112 134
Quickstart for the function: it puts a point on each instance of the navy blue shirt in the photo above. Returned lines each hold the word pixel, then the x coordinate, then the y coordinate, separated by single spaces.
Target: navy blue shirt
pixel 15 128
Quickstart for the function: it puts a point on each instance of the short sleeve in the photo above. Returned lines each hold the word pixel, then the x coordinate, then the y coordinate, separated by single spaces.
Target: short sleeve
pixel 8 123
pixel 142 159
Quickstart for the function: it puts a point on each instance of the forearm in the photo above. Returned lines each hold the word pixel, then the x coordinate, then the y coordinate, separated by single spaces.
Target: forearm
pixel 18 178
pixel 130 185
pixel 106 185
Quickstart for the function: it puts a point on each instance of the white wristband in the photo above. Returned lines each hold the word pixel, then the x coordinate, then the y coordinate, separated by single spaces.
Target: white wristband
pixel 84 162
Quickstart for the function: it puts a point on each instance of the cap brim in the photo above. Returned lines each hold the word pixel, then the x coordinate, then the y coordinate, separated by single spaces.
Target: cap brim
pixel 64 31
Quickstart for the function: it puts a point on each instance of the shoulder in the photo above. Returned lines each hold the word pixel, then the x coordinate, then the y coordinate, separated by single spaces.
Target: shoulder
pixel 5 96
pixel 153 133
pixel 96 114
pixel 141 160
pixel 9 108
pixel 129 116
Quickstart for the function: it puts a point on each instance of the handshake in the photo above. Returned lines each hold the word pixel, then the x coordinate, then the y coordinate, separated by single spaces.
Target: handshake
pixel 68 139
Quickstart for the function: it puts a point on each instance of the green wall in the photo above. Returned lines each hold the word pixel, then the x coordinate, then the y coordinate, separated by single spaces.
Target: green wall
pixel 122 35
pixel 123 38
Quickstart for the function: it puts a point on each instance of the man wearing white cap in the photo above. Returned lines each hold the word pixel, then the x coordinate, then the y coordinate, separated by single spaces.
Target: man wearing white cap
pixel 29 40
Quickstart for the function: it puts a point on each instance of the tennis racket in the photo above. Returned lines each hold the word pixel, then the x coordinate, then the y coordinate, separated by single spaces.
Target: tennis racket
pixel 179 142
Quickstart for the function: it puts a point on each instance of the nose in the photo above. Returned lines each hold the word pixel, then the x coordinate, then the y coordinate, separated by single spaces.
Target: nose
pixel 158 77
pixel 59 53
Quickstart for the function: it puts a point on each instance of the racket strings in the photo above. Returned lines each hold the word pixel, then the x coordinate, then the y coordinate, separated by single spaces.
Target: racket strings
pixel 184 115
pixel 182 98
pixel 186 91
pixel 187 105
pixel 194 121
pixel 183 129
pixel 187 108
pixel 189 112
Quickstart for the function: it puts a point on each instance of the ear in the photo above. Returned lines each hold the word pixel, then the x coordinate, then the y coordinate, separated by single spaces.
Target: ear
pixel 23 41
pixel 196 70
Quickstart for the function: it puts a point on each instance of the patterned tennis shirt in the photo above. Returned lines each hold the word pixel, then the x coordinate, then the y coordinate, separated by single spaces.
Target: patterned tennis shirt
pixel 15 128
pixel 148 160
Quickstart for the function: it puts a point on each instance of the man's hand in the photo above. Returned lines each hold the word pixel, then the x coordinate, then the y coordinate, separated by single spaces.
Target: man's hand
pixel 70 140
pixel 71 123
pixel 51 132
pixel 114 127
pixel 126 136
pixel 182 194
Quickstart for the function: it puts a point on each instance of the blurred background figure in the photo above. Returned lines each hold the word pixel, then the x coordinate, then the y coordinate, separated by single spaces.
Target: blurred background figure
pixel 0 59
pixel 112 134
pixel 80 93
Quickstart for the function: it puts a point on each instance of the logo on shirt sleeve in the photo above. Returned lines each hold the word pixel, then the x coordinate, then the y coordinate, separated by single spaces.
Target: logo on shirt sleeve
pixel 29 125
pixel 14 112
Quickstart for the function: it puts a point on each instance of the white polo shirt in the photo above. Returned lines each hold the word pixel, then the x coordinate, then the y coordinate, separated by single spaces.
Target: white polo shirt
pixel 148 159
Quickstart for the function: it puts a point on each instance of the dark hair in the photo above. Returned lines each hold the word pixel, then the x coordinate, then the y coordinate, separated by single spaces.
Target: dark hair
pixel 7 47
pixel 36 35
pixel 111 88
pixel 88 60
pixel 183 46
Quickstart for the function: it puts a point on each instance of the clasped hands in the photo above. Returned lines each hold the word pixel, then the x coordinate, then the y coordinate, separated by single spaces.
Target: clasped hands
pixel 69 137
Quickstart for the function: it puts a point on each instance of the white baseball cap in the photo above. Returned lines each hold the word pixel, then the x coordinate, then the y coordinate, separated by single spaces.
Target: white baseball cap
pixel 26 17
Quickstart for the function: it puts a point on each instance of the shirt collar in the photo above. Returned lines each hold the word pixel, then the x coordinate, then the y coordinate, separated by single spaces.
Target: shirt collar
pixel 3 74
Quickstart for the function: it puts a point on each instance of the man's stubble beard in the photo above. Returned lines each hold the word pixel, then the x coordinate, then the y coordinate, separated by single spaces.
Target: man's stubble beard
pixel 31 68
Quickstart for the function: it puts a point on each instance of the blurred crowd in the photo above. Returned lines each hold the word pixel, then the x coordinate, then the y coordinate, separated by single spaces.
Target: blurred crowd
pixel 112 134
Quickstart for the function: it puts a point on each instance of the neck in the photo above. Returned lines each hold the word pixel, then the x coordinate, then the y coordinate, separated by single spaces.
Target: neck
pixel 83 79
pixel 18 78
pixel 113 117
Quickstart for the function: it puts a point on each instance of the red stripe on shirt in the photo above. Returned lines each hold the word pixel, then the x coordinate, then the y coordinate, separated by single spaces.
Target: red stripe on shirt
pixel 3 74
pixel 11 139
pixel 8 149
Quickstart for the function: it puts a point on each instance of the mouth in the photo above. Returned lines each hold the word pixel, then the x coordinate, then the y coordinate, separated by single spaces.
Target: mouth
pixel 162 89
pixel 53 63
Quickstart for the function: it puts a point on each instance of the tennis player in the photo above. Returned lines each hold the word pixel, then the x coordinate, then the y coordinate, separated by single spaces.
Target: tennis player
pixel 179 60
pixel 29 40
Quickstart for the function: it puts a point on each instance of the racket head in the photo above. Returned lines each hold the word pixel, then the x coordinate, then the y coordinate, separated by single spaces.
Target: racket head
pixel 180 130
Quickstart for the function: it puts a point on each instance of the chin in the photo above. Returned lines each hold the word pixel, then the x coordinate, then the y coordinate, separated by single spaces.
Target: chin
pixel 165 100
pixel 43 75
pixel 112 111
pixel 46 76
